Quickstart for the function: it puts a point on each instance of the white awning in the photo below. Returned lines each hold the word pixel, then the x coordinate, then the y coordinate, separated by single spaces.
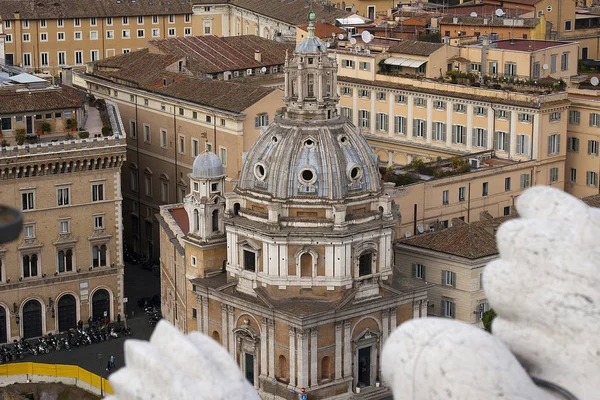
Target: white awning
pixel 404 62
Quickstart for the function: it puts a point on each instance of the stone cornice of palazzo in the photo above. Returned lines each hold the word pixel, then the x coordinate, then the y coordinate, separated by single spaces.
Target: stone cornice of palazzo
pixel 63 277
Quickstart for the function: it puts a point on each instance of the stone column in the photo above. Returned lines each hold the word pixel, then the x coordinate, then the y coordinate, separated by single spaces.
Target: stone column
pixel 416 308
pixel 319 76
pixel 410 103
pixel 263 347
pixel 302 358
pixel 338 350
pixel 512 131
pixel 287 81
pixel 224 339
pixel 205 315
pixel 535 148
pixel 230 334
pixel 429 122
pixel 386 324
pixel 390 158
pixel 313 357
pixel 299 88
pixel 449 114
pixel 347 350
pixel 469 133
pixel 393 320
pixel 271 325
pixel 423 308
pixel 292 357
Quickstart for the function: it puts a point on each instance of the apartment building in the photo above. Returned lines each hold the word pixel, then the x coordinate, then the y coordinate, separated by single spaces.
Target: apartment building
pixel 454 260
pixel 266 18
pixel 67 264
pixel 45 35
pixel 172 113
pixel 459 26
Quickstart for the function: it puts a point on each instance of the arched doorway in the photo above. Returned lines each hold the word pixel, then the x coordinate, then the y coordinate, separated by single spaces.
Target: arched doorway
pixel 3 333
pixel 306 265
pixel 32 319
pixel 67 313
pixel 101 305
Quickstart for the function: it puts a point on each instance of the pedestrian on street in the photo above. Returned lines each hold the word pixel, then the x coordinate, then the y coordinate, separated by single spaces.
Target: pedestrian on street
pixel 111 361
pixel 80 325
pixel 119 318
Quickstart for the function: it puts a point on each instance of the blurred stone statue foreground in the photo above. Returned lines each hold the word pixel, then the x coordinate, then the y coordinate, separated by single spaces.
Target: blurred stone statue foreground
pixel 544 288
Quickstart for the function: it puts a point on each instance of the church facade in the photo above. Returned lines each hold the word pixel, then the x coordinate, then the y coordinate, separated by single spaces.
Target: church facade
pixel 293 271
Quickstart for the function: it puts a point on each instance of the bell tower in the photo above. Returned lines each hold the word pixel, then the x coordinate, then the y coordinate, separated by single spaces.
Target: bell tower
pixel 310 80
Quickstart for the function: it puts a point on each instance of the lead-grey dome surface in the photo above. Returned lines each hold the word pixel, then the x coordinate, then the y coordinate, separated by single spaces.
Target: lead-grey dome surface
pixel 207 165
pixel 295 159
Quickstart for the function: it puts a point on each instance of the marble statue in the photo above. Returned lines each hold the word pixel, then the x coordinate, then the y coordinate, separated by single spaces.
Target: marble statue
pixel 544 288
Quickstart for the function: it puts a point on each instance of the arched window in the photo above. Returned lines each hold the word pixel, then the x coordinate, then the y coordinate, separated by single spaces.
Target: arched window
pixel 310 86
pixel 284 369
pixel 306 265
pixel 61 261
pixel 196 220
pixel 99 256
pixel 325 368
pixel 69 260
pixel 65 260
pixel 236 209
pixel 30 265
pixel 103 255
pixel 365 264
pixel 215 221
pixel 95 256
pixel 216 337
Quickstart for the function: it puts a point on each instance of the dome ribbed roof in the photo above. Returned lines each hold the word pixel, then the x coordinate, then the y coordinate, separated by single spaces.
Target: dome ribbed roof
pixel 328 159
pixel 207 165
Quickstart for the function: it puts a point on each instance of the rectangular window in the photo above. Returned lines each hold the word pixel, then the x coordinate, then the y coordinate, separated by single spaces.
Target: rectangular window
pixel 364 94
pixel 194 312
pixel 574 117
pixel 419 128
pixel 109 21
pixel 554 144
pixel 501 141
pixel 381 96
pixel 440 105
pixel 125 33
pixel 400 99
pixel 171 32
pixel 79 57
pixel 8 24
pixel 43 37
pixel 140 20
pixel 346 112
pixel 439 131
pixel 525 181
pixel 125 20
pixel 62 58
pixel 223 154
pixel 25 24
pixel 461 193
pixel 93 35
pixel 8 38
pixel 364 119
pixel 555 116
pixel 449 278
pixel 249 261
pixel 418 271
pixel 573 175
pixel 26 37
pixel 459 134
pixel 507 184
pixel 445 197
pixel 536 70
pixel 382 122
pixel 502 114
pixel 195 115
pixel 480 111
pixel 171 19
pixel 63 226
pixel 60 36
pixel 44 59
pixel 132 129
pixel 27 59
pixel 98 221
pixel 553 63
pixel 420 102
pixel 146 133
pixel 553 175
pixel 27 200
pixel 207 146
pixel 148 185
pixel 564 61
pixel 347 63
pixel 155 32
pixel 97 192
pixel 164 191
pixel 207 28
pixel 155 19
pixel 448 309
pixel 493 68
pixel 510 69
pixel 364 66
pixel 594 119
pixel 460 108
pixel 62 197
pixel 523 145
pixel 573 144
pixel 140 33
pixel 163 138
pixel 568 25
pixel 29 231
pixel 181 145
pixel 78 35
pixel 195 147
pixel 484 189
pixel 346 91
pixel 94 55
pixel 591 178
pixel 479 137
pixel 222 122
pixel 261 120
pixel 188 18
pixel 474 67
pixel 507 210
pixel 593 147
pixel 400 125
pixel 77 22
pixel 187 31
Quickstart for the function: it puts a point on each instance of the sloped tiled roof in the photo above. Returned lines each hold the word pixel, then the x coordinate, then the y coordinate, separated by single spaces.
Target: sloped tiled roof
pixel 293 12
pixel 145 70
pixel 416 48
pixel 52 9
pixel 592 201
pixel 40 100
pixel 470 240
pixel 211 54
pixel 323 31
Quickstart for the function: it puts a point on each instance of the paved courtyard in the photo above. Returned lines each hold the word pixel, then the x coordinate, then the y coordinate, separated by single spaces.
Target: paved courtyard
pixel 139 283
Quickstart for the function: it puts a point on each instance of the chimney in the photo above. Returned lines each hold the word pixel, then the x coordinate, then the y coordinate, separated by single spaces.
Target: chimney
pixel 257 55
pixel 17 15
pixel 67 76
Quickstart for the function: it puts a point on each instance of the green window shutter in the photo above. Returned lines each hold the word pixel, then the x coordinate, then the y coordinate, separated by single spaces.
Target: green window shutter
pixel 474 138
pixel 507 141
pixel 496 140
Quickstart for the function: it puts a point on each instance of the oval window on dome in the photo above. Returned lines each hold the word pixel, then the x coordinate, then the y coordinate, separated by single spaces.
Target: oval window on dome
pixel 274 139
pixel 343 139
pixel 309 143
pixel 307 176
pixel 260 171
pixel 355 172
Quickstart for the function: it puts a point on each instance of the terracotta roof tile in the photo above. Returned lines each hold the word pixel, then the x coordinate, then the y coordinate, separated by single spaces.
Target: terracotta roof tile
pixel 323 31
pixel 52 9
pixel 470 240
pixel 181 218
pixel 40 100
pixel 416 48
pixel 592 201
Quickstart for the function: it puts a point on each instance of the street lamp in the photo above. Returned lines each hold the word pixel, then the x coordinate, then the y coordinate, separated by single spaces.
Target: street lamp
pixel 101 375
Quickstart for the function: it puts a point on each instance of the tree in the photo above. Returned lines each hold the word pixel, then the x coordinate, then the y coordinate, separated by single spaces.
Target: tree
pixel 487 319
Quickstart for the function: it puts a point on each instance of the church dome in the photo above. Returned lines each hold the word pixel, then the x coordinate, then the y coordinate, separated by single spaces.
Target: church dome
pixel 207 165
pixel 306 159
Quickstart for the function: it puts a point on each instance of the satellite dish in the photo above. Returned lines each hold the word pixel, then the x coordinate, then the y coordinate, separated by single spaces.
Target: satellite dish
pixel 473 14
pixel 327 44
pixel 420 229
pixel 407 235
pixel 341 36
pixel 499 12
pixel 545 66
pixel 594 81
pixel 263 69
pixel 366 36
pixel 352 41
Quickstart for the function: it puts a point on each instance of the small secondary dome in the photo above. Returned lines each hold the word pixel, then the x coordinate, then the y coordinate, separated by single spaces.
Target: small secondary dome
pixel 207 165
